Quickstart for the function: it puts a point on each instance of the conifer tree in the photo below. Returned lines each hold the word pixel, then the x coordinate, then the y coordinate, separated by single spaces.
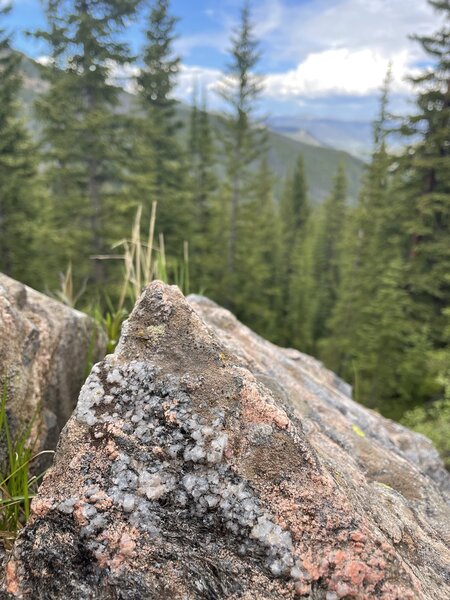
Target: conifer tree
pixel 161 125
pixel 391 348
pixel 18 201
pixel 367 239
pixel 202 160
pixel 295 206
pixel 433 419
pixel 375 340
pixel 294 212
pixel 301 301
pixel 426 167
pixel 388 325
pixel 244 137
pixel 327 254
pixel 85 140
pixel 257 299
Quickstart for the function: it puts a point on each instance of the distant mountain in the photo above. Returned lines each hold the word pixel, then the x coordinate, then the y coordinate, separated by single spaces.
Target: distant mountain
pixel 354 137
pixel 321 159
pixel 320 163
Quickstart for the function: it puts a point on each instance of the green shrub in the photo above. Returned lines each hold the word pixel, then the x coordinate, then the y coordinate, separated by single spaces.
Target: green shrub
pixel 433 422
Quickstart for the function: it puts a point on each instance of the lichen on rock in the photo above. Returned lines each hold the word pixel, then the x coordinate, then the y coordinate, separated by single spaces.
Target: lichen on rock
pixel 183 474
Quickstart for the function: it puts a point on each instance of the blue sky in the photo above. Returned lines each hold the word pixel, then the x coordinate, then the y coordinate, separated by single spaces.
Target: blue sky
pixel 322 58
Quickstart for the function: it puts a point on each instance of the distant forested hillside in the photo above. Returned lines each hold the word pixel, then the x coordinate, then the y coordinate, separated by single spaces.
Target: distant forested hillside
pixel 320 162
pixel 353 136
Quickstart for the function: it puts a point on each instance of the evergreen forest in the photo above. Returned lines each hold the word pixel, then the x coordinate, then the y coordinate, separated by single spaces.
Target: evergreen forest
pixel 95 199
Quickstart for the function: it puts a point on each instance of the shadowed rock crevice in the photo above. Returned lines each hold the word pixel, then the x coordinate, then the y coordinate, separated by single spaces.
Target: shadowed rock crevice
pixel 204 462
pixel 62 565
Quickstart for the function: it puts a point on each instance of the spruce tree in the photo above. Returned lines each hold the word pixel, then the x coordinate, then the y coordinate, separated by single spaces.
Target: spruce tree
pixel 294 212
pixel 299 310
pixel 426 167
pixel 375 340
pixel 204 183
pixel 390 367
pixel 85 139
pixel 161 126
pixel 371 230
pixel 244 138
pixel 295 206
pixel 18 199
pixel 327 254
pixel 257 298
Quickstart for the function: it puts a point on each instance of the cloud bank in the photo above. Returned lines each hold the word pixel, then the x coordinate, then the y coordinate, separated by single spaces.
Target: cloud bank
pixel 326 48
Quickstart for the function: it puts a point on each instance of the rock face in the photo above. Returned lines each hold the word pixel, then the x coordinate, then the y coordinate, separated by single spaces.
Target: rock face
pixel 44 351
pixel 204 463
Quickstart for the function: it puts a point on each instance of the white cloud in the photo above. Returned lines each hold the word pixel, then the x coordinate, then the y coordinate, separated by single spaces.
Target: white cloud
pixel 334 46
pixel 123 75
pixel 381 25
pixel 204 78
pixel 344 46
pixel 331 72
pixel 340 72
pixel 44 60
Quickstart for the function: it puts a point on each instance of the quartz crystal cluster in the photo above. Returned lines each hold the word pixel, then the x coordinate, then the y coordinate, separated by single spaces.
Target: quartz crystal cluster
pixel 177 458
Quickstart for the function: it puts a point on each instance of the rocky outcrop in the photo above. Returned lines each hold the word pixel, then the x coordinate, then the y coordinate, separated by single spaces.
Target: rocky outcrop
pixel 323 402
pixel 203 462
pixel 45 348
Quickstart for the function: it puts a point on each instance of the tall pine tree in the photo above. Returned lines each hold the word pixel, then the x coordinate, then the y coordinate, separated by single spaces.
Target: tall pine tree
pixel 294 213
pixel 426 167
pixel 244 138
pixel 85 139
pixel 295 206
pixel 374 340
pixel 327 255
pixel 257 297
pixel 161 125
pixel 204 184
pixel 18 201
pixel 367 238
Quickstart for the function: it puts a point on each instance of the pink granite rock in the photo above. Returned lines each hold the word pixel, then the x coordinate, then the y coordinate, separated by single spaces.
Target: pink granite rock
pixel 203 462
pixel 45 347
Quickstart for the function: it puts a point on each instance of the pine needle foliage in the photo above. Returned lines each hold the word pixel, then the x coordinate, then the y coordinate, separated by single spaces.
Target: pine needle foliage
pixel 18 166
pixel 244 138
pixel 166 167
pixel 86 148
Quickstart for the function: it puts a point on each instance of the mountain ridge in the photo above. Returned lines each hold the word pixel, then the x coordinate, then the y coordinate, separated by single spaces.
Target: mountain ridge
pixel 352 136
pixel 321 162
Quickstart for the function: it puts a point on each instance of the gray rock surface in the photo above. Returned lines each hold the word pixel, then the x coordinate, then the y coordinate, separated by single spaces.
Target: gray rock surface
pixel 45 347
pixel 322 399
pixel 203 462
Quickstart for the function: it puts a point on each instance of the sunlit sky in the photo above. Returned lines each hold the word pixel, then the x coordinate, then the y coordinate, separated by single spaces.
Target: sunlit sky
pixel 322 58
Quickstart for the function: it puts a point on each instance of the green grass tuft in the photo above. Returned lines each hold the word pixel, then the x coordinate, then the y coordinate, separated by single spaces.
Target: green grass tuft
pixel 143 261
pixel 17 485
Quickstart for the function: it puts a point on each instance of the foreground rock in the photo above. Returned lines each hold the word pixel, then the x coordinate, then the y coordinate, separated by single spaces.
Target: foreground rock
pixel 45 348
pixel 203 463
pixel 323 402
